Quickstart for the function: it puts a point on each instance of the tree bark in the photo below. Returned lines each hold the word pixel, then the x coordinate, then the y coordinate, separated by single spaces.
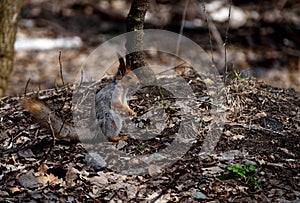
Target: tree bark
pixel 9 12
pixel 134 42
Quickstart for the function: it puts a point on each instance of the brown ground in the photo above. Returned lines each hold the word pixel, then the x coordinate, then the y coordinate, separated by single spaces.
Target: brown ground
pixel 256 131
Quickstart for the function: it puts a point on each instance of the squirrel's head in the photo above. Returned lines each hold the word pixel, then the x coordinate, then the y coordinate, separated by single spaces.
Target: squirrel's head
pixel 130 79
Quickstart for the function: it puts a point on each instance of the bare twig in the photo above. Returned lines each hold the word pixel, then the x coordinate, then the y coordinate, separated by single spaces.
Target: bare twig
pixel 62 79
pixel 60 69
pixel 39 90
pixel 212 32
pixel 182 25
pixel 81 77
pixel 225 42
pixel 179 38
pixel 209 32
pixel 27 83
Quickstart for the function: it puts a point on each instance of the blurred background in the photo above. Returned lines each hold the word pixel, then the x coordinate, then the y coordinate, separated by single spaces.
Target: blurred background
pixel 262 41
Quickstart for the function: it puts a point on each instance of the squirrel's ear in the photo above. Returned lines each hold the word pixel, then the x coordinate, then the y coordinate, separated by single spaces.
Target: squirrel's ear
pixel 128 67
pixel 122 65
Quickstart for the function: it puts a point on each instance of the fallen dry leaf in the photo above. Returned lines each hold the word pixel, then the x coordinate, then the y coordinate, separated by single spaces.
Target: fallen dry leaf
pixel 47 178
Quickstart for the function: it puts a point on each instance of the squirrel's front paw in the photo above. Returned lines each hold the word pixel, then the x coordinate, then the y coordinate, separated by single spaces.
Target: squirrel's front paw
pixel 132 113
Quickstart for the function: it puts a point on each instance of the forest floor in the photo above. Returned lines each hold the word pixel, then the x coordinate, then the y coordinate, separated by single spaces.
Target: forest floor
pixel 263 138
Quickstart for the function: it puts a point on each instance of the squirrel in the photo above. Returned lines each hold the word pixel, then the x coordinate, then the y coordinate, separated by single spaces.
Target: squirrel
pixel 110 105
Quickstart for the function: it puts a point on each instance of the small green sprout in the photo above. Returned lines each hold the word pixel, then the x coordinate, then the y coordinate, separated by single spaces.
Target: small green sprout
pixel 243 173
pixel 163 102
pixel 241 170
pixel 142 147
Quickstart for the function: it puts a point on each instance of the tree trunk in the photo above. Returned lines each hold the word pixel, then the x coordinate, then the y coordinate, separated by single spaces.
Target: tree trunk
pixel 9 12
pixel 134 43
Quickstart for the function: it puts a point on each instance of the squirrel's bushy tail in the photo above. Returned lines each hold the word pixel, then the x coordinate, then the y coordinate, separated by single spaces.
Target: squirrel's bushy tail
pixel 48 119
